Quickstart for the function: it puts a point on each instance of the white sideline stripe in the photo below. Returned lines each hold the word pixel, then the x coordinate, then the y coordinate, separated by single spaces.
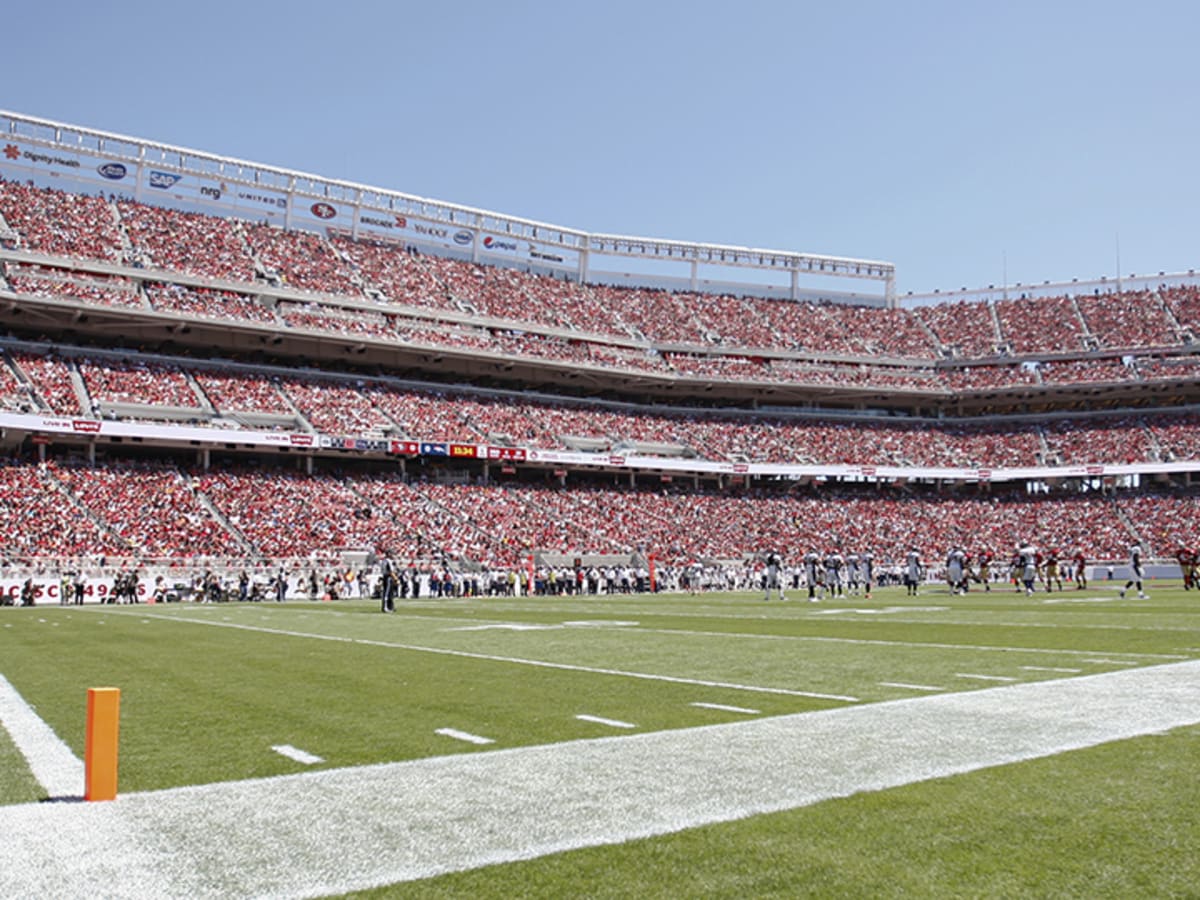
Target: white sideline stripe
pixel 984 677
pixel 56 768
pixel 1051 669
pixel 297 754
pixel 334 831
pixel 1111 662
pixel 723 708
pixel 913 687
pixel 516 660
pixel 464 736
pixel 614 723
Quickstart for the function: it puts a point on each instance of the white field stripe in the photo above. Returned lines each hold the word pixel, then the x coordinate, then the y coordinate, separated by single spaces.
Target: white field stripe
pixel 911 687
pixel 516 660
pixel 723 708
pixel 1110 662
pixel 872 642
pixel 463 736
pixel 297 754
pixel 984 677
pixel 1051 669
pixel 612 723
pixel 56 768
pixel 343 830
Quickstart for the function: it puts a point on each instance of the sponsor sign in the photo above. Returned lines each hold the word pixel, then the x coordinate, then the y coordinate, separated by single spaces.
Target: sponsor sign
pixel 985 474
pixel 432 231
pixel 495 243
pixel 164 181
pixel 300 440
pixel 85 426
pixel 113 171
pixel 535 253
pixel 374 221
pixel 255 198
pixel 464 451
pixel 13 152
pixel 463 238
pixel 404 448
pixel 741 468
pixel 616 460
pixel 323 210
pixel 516 454
pixel 1095 470
pixel 868 471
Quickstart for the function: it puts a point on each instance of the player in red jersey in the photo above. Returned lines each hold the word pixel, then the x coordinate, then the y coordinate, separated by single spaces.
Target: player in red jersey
pixel 1080 570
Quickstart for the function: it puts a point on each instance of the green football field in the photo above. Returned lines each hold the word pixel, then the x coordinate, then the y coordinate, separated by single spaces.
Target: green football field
pixel 217 694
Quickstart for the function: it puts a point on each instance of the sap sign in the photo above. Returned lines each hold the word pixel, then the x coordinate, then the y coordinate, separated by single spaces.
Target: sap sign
pixel 114 171
pixel 163 180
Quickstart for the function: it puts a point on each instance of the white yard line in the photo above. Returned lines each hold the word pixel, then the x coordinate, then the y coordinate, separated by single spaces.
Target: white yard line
pixel 464 736
pixel 723 708
pixel 516 660
pixel 1051 669
pixel 911 687
pixel 984 677
pixel 339 830
pixel 599 720
pixel 56 768
pixel 294 753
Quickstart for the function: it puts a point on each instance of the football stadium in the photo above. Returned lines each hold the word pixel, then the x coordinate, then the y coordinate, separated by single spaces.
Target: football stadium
pixel 437 551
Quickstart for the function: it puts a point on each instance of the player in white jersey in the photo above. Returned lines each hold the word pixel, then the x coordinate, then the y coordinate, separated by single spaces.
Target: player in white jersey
pixel 853 573
pixel 913 571
pixel 773 576
pixel 813 573
pixel 1135 571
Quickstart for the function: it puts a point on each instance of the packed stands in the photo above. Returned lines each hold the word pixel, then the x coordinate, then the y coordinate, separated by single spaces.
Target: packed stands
pixel 83 287
pixel 186 242
pixel 965 328
pixel 208 303
pixel 151 507
pixel 135 381
pixel 1085 441
pixel 301 261
pixel 50 379
pixel 59 223
pixel 1128 319
pixel 1041 325
pixel 231 393
pixel 40 520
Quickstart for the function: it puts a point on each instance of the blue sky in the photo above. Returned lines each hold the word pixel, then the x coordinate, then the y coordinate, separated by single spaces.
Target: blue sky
pixel 950 138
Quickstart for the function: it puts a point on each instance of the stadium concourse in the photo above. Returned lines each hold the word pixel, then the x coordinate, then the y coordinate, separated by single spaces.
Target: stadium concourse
pixel 186 381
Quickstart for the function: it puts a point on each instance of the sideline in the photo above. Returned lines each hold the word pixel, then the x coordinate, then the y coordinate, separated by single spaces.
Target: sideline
pixel 340 830
pixel 56 768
